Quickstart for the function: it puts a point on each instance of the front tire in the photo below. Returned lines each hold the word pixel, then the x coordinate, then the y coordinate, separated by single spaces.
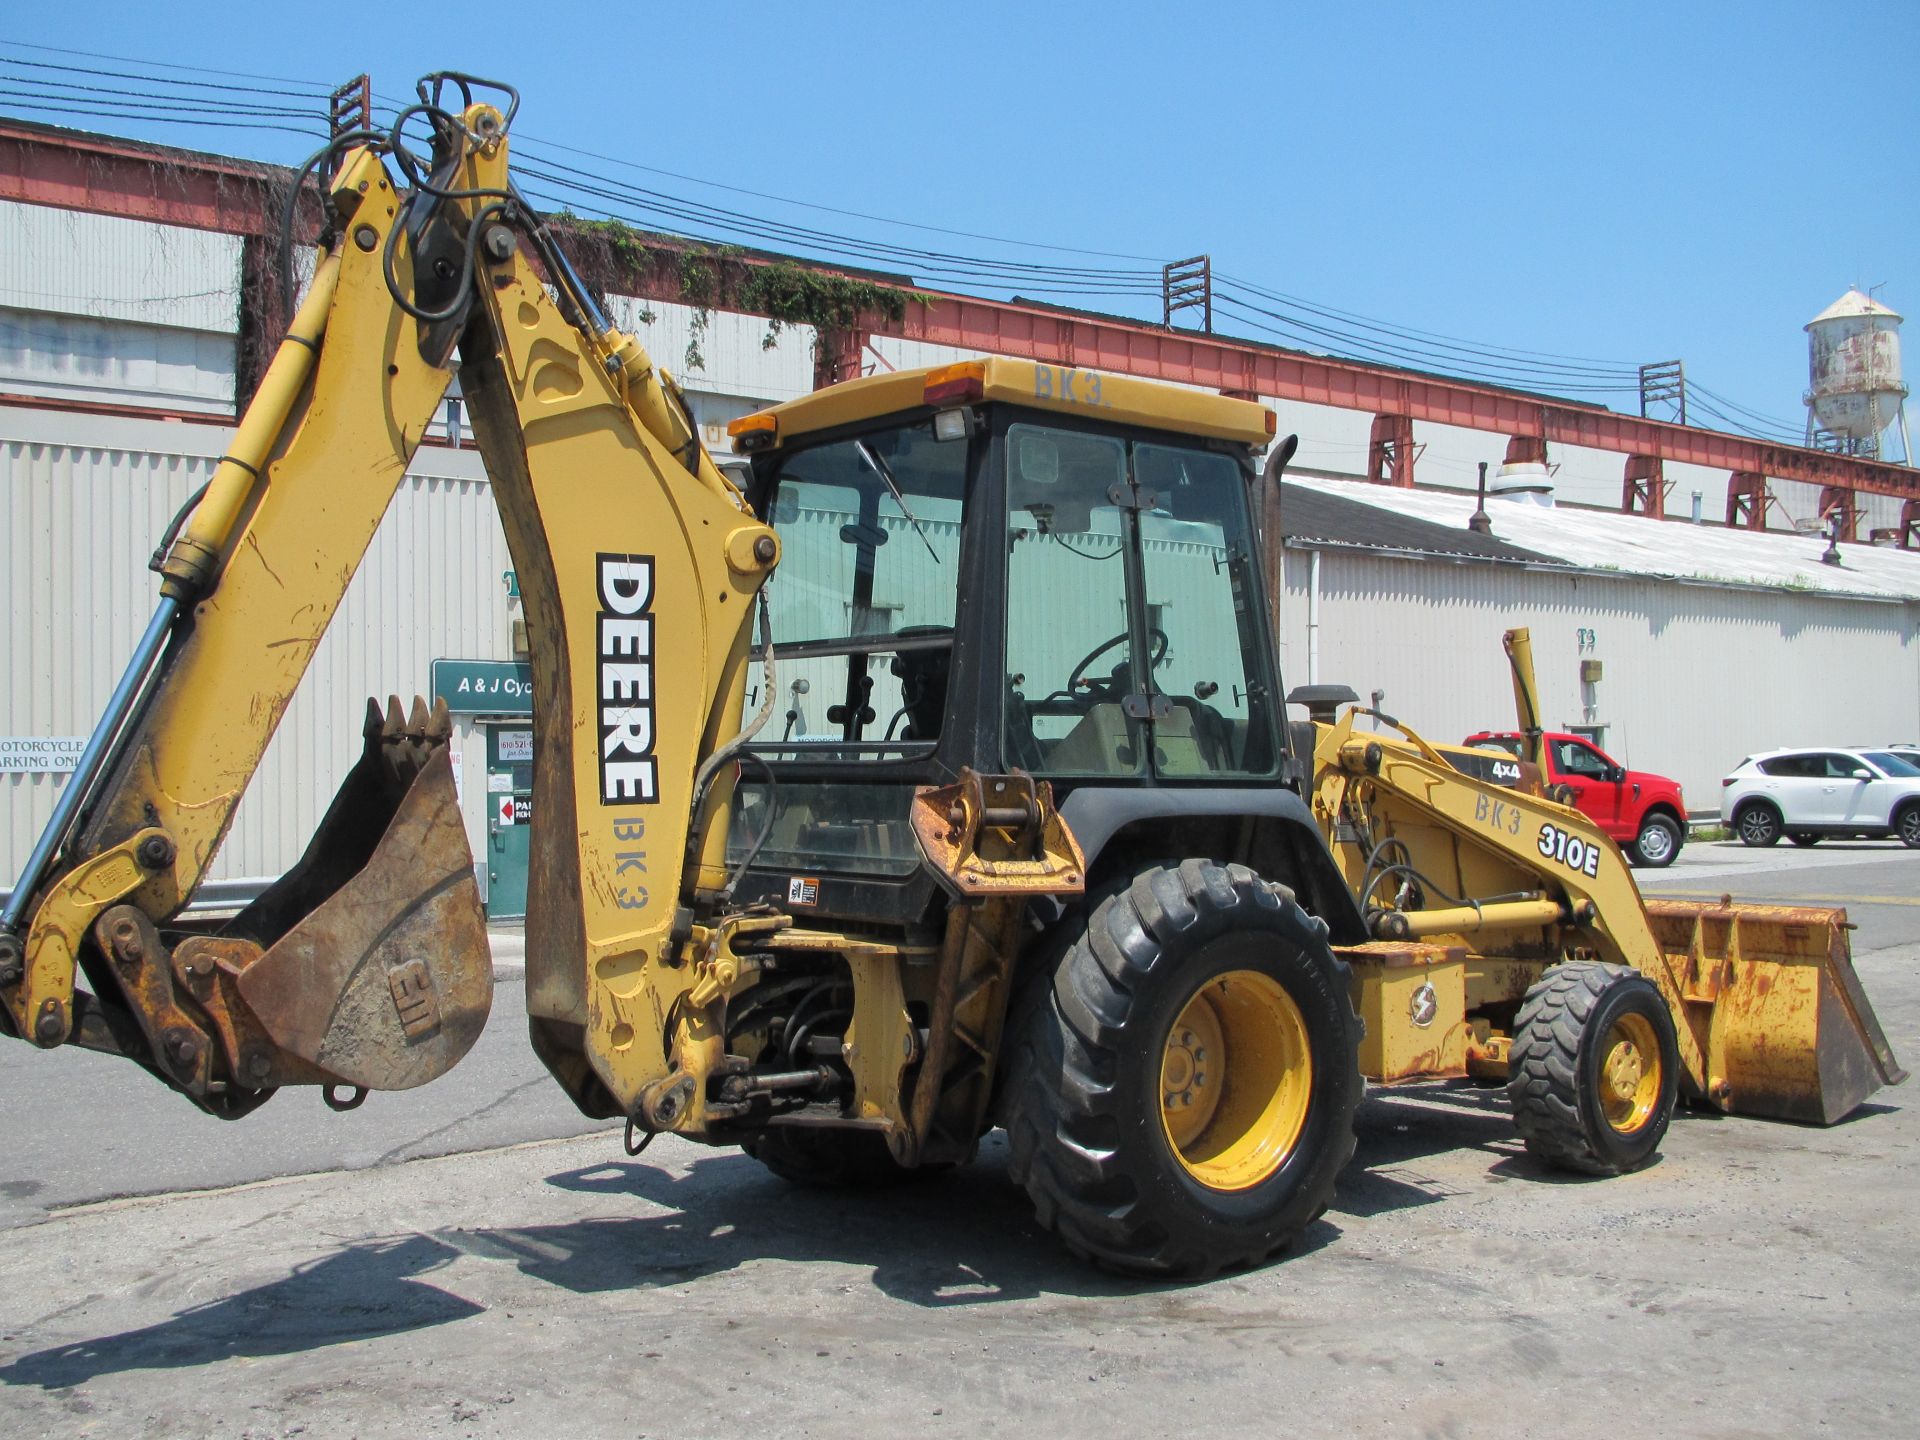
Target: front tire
pixel 1906 825
pixel 1183 1095
pixel 1657 843
pixel 1758 824
pixel 1594 1070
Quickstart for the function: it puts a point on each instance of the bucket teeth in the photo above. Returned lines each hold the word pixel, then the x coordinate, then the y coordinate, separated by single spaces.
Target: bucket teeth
pixel 403 740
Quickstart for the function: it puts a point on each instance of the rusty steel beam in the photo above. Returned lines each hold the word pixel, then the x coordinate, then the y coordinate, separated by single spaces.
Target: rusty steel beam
pixel 1390 451
pixel 1747 500
pixel 1217 363
pixel 45 165
pixel 1643 488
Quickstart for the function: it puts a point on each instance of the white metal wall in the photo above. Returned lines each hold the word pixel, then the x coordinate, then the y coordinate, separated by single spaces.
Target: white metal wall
pixel 94 307
pixel 85 499
pixel 1695 676
pixel 71 262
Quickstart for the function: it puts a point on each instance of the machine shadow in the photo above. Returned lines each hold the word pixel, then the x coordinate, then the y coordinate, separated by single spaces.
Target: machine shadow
pixel 1397 1129
pixel 361 1292
pixel 966 1237
pixel 963 1237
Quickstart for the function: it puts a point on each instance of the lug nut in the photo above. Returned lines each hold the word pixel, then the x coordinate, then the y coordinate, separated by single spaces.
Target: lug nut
pixel 51 1025
pixel 154 853
pixel 500 243
pixel 764 549
pixel 365 236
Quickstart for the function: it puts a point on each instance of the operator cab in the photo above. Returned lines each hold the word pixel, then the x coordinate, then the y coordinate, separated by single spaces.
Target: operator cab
pixel 1001 565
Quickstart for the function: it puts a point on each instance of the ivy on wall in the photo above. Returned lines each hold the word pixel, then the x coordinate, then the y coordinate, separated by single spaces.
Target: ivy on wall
pixel 607 252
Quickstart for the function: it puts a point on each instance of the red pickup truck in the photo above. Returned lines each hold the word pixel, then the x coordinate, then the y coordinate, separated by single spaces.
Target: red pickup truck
pixel 1644 814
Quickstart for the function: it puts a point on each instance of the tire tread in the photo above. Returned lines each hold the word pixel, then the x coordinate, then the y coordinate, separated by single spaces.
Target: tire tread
pixel 1061 1108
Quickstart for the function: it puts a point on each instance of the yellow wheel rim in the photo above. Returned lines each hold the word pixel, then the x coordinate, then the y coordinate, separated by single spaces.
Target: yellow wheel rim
pixel 1236 1078
pixel 1630 1078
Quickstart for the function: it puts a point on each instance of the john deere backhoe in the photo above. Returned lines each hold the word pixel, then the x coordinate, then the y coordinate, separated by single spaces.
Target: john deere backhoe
pixel 983 810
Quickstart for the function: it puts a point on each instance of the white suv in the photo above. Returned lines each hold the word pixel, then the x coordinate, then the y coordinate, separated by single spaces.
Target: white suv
pixel 1805 794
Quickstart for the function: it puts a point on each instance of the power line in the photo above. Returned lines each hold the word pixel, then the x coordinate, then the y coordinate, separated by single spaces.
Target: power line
pixel 1769 421
pixel 1299 332
pixel 1144 283
pixel 835 210
pixel 165 103
pixel 93 110
pixel 1067 284
pixel 1621 372
pixel 110 97
pixel 585 181
pixel 320 93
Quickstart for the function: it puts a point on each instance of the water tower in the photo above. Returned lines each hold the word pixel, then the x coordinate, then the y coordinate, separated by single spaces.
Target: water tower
pixel 1853 359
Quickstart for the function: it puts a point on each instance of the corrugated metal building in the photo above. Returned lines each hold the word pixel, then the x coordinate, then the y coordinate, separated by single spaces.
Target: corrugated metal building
pixel 100 314
pixel 1711 643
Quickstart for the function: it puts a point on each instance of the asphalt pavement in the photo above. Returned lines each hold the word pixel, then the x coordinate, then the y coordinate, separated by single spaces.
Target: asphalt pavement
pixel 1759 1279
pixel 1876 882
pixel 79 1127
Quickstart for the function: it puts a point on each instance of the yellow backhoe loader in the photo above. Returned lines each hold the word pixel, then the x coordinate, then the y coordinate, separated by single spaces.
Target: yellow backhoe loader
pixel 984 810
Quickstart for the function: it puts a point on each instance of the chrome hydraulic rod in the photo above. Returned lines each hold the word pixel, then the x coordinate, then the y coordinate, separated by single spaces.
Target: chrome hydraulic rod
pixel 92 760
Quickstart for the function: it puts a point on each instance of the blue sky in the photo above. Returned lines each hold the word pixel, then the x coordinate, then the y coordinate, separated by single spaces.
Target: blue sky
pixel 1621 182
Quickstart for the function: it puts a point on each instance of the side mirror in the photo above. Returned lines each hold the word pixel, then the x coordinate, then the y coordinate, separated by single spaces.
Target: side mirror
pixel 1616 773
pixel 1863 774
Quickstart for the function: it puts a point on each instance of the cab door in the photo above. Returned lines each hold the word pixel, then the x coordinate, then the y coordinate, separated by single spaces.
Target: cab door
pixel 1589 774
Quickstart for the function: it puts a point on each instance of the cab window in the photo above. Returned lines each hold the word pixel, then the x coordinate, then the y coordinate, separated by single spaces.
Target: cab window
pixel 1573 758
pixel 1133 636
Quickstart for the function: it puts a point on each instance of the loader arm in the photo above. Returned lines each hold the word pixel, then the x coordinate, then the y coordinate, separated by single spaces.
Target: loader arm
pixel 366 966
pixel 1769 1017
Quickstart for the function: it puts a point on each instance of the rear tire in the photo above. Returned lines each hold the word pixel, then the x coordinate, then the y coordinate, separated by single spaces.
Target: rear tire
pixel 1594 1070
pixel 1657 843
pixel 827 1159
pixel 1758 823
pixel 1181 1099
pixel 1803 838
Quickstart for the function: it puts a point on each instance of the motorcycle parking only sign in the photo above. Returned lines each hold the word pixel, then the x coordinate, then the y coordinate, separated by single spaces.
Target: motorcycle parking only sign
pixel 40 754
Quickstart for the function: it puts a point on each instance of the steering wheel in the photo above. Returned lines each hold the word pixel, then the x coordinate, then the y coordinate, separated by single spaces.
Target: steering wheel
pixel 1156 648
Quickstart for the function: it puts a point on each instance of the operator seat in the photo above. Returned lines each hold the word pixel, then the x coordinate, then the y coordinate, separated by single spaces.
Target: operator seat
pixel 923 680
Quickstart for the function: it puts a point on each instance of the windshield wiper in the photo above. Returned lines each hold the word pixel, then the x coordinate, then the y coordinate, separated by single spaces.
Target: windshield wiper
pixel 872 457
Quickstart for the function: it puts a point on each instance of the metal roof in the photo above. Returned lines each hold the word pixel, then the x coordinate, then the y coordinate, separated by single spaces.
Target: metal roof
pixel 1851 304
pixel 1308 513
pixel 1605 541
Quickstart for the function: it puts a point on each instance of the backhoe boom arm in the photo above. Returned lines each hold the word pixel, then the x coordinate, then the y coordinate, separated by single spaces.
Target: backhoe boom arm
pixel 639 565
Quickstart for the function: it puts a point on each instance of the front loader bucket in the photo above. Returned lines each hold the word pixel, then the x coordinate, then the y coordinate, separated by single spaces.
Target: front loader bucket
pixel 1771 992
pixel 375 971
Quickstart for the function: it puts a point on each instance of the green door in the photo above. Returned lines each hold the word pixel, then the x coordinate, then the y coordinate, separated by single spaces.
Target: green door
pixel 509 809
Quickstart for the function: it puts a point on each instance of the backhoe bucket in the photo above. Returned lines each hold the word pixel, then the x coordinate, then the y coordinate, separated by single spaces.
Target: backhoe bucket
pixel 1771 992
pixel 376 971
